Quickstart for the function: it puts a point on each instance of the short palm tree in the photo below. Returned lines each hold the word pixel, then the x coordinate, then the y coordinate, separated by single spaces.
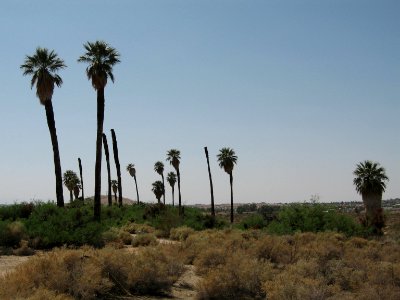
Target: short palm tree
pixel 370 183
pixel 174 156
pixel 227 159
pixel 71 180
pixel 100 58
pixel 171 178
pixel 132 171
pixel 114 185
pixel 43 65
pixel 158 189
pixel 159 168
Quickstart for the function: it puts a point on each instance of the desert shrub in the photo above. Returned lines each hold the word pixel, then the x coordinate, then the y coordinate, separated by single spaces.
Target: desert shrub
pixel 92 274
pixel 253 221
pixel 11 233
pixel 45 294
pixel 16 211
pixel 241 277
pixel 181 233
pixel 209 259
pixel 145 239
pixel 313 217
pixel 116 235
pixel 24 249
pixel 138 228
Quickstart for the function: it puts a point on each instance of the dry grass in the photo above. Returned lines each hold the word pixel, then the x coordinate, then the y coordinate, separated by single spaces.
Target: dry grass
pixel 90 274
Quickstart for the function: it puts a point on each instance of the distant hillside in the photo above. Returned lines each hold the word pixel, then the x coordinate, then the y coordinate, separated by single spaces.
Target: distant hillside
pixel 104 200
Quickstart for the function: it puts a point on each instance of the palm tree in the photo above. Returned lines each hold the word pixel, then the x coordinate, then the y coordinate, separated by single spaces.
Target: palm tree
pixel 43 65
pixel 77 190
pixel 117 165
pixel 171 178
pixel 174 156
pixel 370 184
pixel 114 184
pixel 100 58
pixel 70 180
pixel 107 154
pixel 227 159
pixel 159 168
pixel 132 171
pixel 80 172
pixel 211 184
pixel 158 189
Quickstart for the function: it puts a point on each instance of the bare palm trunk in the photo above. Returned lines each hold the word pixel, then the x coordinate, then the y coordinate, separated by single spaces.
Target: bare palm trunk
pixel 115 197
pixel 231 182
pixel 71 197
pixel 211 184
pixel 137 192
pixel 373 211
pixel 117 165
pixel 80 172
pixel 173 192
pixel 56 153
pixel 107 154
pixel 162 176
pixel 179 191
pixel 97 170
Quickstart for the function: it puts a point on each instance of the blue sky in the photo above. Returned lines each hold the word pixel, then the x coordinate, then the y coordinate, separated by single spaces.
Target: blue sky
pixel 301 90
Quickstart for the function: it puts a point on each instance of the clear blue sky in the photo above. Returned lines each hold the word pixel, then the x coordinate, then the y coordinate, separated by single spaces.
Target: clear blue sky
pixel 302 90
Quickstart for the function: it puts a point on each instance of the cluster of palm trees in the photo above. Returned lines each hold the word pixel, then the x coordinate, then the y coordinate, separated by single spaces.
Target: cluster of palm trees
pixel 44 66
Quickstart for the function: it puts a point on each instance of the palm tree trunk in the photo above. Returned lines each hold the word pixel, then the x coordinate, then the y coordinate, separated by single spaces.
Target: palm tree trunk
pixel 137 192
pixel 117 165
pixel 211 184
pixel 56 153
pixel 173 192
pixel 97 169
pixel 162 176
pixel 80 172
pixel 231 182
pixel 107 154
pixel 179 191
pixel 115 198
pixel 71 197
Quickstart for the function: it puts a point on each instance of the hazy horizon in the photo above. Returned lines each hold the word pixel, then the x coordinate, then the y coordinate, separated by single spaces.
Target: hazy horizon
pixel 301 90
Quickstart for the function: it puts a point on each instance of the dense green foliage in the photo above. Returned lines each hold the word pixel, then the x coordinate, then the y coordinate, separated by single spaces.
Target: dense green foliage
pixel 45 225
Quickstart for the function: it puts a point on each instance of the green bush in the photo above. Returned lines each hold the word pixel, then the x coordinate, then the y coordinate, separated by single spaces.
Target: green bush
pixel 11 233
pixel 312 217
pixel 253 221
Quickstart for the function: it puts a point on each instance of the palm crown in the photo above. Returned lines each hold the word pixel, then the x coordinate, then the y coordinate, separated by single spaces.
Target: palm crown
pixel 171 178
pixel 71 180
pixel 159 167
pixel 114 185
pixel 158 189
pixel 131 169
pixel 43 66
pixel 173 156
pixel 227 159
pixel 101 59
pixel 370 178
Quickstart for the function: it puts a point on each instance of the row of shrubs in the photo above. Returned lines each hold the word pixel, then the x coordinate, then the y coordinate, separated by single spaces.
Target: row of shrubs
pixel 45 225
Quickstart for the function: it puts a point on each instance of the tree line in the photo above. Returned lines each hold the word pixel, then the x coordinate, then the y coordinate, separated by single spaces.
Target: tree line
pixel 100 58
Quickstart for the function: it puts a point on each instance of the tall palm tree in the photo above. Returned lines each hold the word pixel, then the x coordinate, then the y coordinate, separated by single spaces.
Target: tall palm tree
pixel 159 168
pixel 70 180
pixel 117 165
pixel 132 171
pixel 80 172
pixel 100 58
pixel 174 156
pixel 227 159
pixel 370 184
pixel 114 184
pixel 107 155
pixel 158 189
pixel 211 184
pixel 171 178
pixel 43 65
